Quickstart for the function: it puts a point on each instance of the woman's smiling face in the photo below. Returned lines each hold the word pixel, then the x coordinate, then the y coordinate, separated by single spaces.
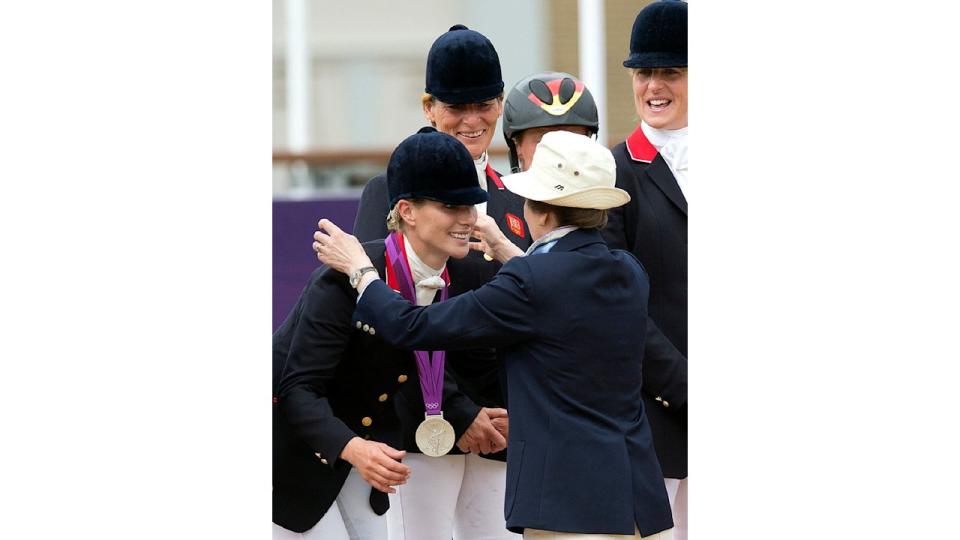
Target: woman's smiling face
pixel 438 231
pixel 473 124
pixel 660 96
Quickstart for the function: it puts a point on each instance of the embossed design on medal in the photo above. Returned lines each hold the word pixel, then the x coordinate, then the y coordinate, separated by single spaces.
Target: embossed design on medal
pixel 434 436
pixel 435 433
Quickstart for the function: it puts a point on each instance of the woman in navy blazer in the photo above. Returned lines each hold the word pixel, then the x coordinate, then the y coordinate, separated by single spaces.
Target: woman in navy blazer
pixel 580 457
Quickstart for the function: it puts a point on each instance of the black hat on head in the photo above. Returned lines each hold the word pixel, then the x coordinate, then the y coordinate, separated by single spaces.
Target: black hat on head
pixel 436 166
pixel 463 67
pixel 659 36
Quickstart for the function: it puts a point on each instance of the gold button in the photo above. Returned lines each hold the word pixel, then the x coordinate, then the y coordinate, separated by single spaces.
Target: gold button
pixel 402 378
pixel 658 398
pixel 372 331
pixel 665 404
pixel 324 461
pixel 366 328
pixel 359 325
pixel 382 398
pixel 318 455
pixel 366 421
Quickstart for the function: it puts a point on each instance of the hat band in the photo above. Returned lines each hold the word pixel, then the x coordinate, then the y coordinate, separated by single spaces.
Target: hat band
pixel 461 196
pixel 461 96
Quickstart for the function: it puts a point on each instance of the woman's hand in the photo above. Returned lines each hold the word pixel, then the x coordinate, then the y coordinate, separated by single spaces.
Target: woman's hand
pixel 492 242
pixel 482 436
pixel 377 463
pixel 500 421
pixel 337 249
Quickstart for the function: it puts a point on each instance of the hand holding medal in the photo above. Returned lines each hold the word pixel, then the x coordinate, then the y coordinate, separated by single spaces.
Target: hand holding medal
pixel 492 242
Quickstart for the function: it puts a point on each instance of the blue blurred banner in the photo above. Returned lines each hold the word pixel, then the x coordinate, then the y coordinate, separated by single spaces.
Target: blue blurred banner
pixel 293 257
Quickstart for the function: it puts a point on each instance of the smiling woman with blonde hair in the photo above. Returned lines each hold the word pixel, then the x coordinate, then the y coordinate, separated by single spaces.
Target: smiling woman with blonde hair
pixel 463 97
pixel 347 405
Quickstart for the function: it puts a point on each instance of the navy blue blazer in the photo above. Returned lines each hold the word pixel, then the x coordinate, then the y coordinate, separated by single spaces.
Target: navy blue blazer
pixel 580 456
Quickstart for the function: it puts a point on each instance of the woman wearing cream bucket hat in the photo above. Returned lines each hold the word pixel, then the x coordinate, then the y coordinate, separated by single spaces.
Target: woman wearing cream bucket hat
pixel 569 171
pixel 580 456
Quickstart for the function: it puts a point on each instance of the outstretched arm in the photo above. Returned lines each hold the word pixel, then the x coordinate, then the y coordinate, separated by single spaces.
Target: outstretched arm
pixel 497 314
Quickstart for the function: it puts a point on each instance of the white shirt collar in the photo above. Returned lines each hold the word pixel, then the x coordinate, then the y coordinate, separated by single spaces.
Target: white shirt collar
pixel 551 236
pixel 420 269
pixel 672 145
pixel 660 137
pixel 422 272
pixel 481 165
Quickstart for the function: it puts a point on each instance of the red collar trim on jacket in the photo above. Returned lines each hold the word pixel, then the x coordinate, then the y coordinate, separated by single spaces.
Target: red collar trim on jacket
pixel 639 147
pixel 492 174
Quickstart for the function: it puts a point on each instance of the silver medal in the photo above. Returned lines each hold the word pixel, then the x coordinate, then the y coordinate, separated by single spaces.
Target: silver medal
pixel 435 436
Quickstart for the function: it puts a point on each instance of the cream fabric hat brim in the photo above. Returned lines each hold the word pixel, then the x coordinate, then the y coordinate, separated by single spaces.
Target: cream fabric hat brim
pixel 570 170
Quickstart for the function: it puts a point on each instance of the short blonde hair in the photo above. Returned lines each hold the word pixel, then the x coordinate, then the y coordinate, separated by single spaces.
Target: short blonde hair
pixel 394 221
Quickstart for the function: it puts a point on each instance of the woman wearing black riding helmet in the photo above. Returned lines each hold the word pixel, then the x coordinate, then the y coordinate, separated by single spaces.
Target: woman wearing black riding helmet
pixel 459 495
pixel 652 167
pixel 346 404
pixel 463 97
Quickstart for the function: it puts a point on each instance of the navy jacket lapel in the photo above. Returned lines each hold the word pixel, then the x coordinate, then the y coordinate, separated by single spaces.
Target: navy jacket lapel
pixel 660 173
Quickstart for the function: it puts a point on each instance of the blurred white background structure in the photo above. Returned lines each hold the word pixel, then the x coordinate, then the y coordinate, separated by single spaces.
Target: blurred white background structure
pixel 347 77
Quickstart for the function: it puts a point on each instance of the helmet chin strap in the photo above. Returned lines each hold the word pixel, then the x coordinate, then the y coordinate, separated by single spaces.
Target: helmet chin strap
pixel 514 160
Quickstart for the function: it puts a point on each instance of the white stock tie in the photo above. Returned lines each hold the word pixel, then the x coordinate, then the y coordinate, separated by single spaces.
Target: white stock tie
pixel 432 282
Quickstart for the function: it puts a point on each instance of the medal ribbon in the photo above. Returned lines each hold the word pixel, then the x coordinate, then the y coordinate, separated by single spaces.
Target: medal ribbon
pixel 429 366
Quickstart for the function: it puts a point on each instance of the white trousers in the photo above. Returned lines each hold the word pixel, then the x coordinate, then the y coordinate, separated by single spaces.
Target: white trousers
pixel 677 491
pixel 458 497
pixel 350 518
pixel 538 534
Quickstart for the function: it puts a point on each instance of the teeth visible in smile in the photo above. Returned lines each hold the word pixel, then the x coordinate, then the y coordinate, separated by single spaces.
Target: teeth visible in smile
pixel 459 236
pixel 658 102
pixel 472 134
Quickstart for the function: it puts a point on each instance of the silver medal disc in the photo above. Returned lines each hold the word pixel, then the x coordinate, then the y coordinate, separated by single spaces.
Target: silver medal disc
pixel 435 436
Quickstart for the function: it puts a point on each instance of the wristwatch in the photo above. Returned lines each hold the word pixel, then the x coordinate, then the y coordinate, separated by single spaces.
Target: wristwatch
pixel 355 277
